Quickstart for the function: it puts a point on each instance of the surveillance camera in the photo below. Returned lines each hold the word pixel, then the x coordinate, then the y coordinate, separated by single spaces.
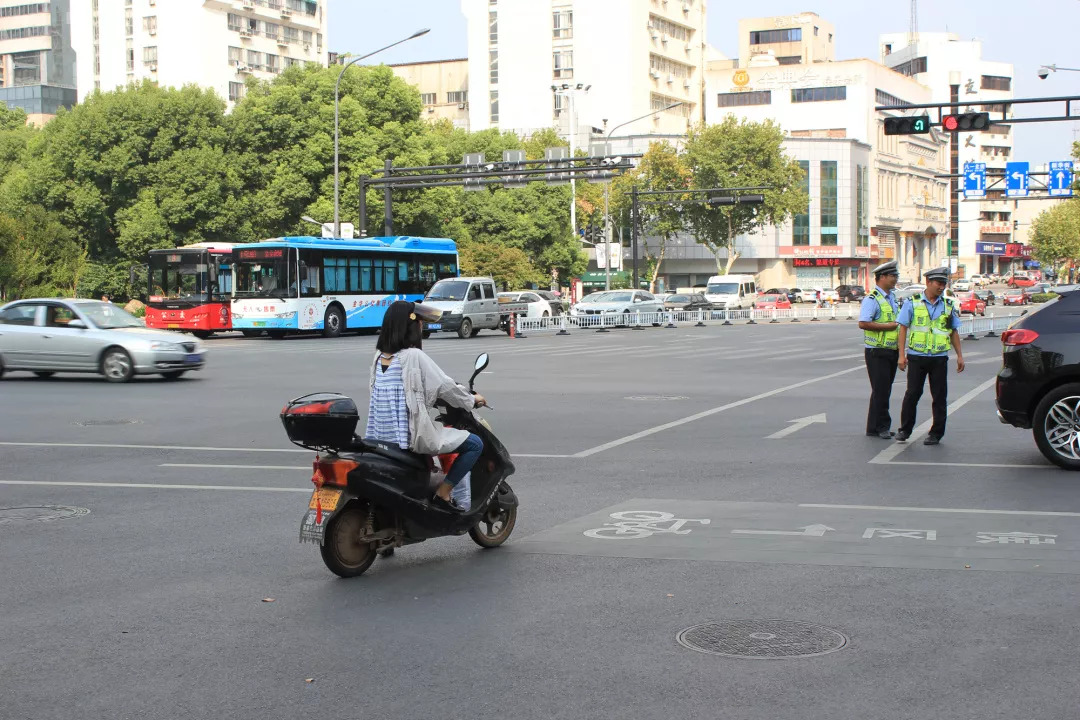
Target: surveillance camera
pixel 1044 72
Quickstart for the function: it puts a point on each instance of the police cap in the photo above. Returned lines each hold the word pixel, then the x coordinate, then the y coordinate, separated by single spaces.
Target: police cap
pixel 888 268
pixel 938 273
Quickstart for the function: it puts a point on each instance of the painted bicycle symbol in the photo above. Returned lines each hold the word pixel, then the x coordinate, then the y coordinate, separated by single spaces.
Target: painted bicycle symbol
pixel 634 524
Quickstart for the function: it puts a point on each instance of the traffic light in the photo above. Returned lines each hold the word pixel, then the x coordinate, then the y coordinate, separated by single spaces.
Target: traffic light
pixel 715 201
pixel 965 121
pixel 919 125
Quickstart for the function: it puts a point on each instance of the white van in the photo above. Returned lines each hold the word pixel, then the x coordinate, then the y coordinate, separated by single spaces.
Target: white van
pixel 731 291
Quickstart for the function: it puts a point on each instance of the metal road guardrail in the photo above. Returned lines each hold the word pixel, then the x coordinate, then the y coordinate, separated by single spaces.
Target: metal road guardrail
pixel 988 326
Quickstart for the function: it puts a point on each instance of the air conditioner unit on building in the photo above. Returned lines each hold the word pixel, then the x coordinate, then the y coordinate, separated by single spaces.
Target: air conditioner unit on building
pixel 461 106
pixel 654 33
pixel 686 7
pixel 242 68
pixel 670 79
pixel 153 67
pixel 282 41
pixel 152 31
pixel 689 47
pixel 686 83
pixel 307 46
pixel 246 33
pixel 286 12
pixel 249 4
pixel 655 75
pixel 431 109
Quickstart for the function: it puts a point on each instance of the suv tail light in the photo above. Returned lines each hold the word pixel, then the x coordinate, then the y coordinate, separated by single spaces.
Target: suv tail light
pixel 1019 337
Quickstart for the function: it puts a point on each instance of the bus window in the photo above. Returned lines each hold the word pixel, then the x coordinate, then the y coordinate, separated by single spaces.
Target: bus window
pixel 335 271
pixel 427 273
pixel 447 269
pixel 407 278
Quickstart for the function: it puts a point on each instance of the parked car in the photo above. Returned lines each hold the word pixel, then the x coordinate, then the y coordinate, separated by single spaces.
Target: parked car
pixel 48 336
pixel 791 293
pixel 1015 296
pixel 538 306
pixel 617 302
pixel 987 296
pixel 559 306
pixel 902 296
pixel 971 303
pixel 693 302
pixel 979 280
pixel 1019 279
pixel 962 286
pixel 773 302
pixel 850 293
pixel 1038 386
pixel 469 305
pixel 802 295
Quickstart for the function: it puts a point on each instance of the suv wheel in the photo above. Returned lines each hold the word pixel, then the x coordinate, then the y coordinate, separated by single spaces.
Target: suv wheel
pixel 1056 426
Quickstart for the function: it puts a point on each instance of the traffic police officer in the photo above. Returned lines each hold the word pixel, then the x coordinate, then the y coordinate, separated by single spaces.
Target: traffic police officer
pixel 928 330
pixel 877 319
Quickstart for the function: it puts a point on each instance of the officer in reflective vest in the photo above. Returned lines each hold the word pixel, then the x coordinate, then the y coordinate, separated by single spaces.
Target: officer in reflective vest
pixel 877 319
pixel 928 330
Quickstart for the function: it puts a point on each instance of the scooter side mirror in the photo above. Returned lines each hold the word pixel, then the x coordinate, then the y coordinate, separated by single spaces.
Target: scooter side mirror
pixel 478 367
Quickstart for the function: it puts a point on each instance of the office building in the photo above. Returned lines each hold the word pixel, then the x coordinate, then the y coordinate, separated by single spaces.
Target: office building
pixel 788 39
pixel 37 61
pixel 443 87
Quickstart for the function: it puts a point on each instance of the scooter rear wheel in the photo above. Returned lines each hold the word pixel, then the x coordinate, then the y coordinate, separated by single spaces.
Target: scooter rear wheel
pixel 494 527
pixel 342 550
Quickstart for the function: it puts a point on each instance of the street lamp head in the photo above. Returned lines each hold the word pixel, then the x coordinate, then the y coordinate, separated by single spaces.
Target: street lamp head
pixel 418 33
pixel 566 86
pixel 554 88
pixel 587 88
pixel 674 105
pixel 1044 72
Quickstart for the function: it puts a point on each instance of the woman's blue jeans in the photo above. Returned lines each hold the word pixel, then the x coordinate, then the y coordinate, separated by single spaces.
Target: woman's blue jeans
pixel 467 455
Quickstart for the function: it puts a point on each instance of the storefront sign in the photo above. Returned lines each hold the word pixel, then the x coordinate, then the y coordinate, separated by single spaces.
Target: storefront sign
pixel 995 229
pixel 824 262
pixel 812 250
pixel 1016 250
pixel 989 248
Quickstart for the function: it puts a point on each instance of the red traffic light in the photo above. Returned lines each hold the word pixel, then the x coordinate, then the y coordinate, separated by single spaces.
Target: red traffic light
pixel 966 121
pixel 950 123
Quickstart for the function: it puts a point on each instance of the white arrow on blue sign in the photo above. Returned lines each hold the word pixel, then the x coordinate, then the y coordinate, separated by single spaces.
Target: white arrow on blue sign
pixel 1016 179
pixel 1061 179
pixel 974 180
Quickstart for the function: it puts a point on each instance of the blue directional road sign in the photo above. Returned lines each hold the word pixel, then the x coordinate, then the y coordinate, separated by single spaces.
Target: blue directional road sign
pixel 1061 179
pixel 974 180
pixel 1016 179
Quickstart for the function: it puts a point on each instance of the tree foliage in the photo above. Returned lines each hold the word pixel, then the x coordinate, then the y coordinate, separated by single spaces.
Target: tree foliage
pixel 1055 234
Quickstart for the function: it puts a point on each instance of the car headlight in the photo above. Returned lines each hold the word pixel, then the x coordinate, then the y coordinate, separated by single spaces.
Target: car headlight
pixel 166 347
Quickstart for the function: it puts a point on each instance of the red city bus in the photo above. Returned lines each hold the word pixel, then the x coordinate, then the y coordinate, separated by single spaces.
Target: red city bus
pixel 189 289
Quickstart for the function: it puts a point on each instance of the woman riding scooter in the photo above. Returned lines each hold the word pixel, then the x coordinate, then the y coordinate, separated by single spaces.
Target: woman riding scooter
pixel 405 384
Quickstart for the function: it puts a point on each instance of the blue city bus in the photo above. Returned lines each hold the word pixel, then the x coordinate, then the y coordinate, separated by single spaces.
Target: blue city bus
pixel 332 284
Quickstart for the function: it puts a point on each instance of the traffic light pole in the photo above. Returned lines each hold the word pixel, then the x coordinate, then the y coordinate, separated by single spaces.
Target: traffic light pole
pixel 634 233
pixel 954 194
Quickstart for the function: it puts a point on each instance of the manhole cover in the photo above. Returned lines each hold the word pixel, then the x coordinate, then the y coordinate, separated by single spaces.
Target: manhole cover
pixel 39 513
pixel 762 639
pixel 90 423
pixel 656 398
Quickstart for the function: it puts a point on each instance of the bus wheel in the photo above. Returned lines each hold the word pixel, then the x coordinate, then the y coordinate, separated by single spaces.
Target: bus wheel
pixel 201 334
pixel 276 334
pixel 252 333
pixel 333 322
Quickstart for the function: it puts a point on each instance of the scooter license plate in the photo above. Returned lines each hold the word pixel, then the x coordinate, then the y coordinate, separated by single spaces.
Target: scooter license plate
pixel 311 529
pixel 328 498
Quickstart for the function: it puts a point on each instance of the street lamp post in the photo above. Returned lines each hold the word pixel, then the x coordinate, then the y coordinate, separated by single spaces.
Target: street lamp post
pixel 337 86
pixel 607 186
pixel 570 92
pixel 1045 70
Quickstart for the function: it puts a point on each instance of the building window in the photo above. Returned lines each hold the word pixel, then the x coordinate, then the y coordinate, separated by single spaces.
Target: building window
pixel 289 62
pixel 493 27
pixel 829 213
pixel 24 32
pixel 494 115
pixel 884 98
pixel 862 204
pixel 272 63
pixel 768 37
pixel 663 102
pixel 741 99
pixel 149 55
pixel 27 68
pixel 130 59
pixel 996 82
pixel 236 56
pixel 819 94
pixel 270 30
pixel 562 24
pixel 563 62
pixel 994 108
pixel 801 221
pixel 457 96
pixel 254 59
pixel 493 67
pixel 236 23
pixel 236 91
pixel 306 36
pixel 560 103
pixel 663 66
pixel 789 59
pixel 427 98
pixel 129 21
pixel 912 67
pixel 318 40
pixel 673 31
pixel 149 24
pixel 30 9
pixel 292 35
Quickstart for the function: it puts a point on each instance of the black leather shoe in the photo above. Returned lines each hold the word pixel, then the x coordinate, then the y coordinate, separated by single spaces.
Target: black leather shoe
pixel 902 436
pixel 884 435
pixel 450 505
pixel 931 440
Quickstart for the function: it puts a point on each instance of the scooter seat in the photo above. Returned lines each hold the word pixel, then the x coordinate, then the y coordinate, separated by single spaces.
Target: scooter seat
pixel 404 457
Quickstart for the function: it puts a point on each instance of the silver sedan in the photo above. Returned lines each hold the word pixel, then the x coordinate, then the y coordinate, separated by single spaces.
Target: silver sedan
pixel 47 336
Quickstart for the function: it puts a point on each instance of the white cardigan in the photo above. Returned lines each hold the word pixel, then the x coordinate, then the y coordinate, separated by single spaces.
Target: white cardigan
pixel 425 382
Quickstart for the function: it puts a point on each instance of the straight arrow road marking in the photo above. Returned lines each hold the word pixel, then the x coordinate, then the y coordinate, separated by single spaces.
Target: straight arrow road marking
pixel 797 425
pixel 808 531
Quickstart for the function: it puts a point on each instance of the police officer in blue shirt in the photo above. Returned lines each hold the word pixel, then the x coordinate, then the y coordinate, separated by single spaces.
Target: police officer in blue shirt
pixel 928 330
pixel 877 320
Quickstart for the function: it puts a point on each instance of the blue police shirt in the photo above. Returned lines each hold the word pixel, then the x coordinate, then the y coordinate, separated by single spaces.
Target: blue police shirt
pixel 907 314
pixel 870 310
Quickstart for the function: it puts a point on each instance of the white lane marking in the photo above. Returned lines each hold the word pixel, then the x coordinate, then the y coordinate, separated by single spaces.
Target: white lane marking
pixel 973 465
pixel 154 447
pixel 152 486
pixel 235 467
pixel 967 511
pixel 708 413
pixel 886 456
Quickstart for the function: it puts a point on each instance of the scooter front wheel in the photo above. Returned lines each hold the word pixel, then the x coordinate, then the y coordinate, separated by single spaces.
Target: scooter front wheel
pixel 342 550
pixel 494 527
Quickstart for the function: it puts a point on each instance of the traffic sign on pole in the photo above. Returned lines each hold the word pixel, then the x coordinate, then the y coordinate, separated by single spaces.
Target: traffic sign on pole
pixel 1016 179
pixel 1060 181
pixel 974 180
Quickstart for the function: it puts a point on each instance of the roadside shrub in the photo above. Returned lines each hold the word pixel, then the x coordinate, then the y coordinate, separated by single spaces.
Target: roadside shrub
pixel 1043 297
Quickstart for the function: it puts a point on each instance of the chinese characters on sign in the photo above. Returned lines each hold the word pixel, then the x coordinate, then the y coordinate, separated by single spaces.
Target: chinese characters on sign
pixel 822 262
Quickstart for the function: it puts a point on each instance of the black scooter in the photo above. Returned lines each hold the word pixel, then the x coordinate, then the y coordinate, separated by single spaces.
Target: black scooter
pixel 371 497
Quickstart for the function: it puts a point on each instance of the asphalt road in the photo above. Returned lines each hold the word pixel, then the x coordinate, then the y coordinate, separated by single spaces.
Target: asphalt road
pixel 150 605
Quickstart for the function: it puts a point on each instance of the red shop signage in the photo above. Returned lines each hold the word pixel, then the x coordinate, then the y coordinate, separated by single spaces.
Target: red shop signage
pixel 824 262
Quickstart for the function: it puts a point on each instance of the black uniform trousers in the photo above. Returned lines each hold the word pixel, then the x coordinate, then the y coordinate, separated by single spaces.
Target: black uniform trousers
pixel 881 367
pixel 919 367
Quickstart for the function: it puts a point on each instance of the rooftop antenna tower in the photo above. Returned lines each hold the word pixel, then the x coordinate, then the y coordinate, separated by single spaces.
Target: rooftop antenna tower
pixel 913 27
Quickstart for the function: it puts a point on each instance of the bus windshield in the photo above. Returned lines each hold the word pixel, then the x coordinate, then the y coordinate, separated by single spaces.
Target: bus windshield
pixel 181 276
pixel 266 272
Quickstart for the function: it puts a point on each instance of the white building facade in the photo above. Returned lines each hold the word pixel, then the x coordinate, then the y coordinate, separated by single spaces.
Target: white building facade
pixel 37 61
pixel 215 44
pixel 945 64
pixel 647 56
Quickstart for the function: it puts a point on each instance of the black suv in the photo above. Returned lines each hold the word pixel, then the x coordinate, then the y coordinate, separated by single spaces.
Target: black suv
pixel 850 293
pixel 1038 386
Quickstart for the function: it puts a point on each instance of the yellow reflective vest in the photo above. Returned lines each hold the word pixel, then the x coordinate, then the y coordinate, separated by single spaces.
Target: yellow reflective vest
pixel 933 337
pixel 882 338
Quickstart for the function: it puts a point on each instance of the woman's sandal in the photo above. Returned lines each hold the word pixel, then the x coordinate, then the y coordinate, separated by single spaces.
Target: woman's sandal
pixel 446 504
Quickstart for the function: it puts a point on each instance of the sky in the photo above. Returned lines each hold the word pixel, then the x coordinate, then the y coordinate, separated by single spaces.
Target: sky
pixel 1027 34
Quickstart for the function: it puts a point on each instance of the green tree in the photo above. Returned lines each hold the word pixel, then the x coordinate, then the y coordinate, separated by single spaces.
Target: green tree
pixel 740 153
pixel 510 267
pixel 1055 234
pixel 38 256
